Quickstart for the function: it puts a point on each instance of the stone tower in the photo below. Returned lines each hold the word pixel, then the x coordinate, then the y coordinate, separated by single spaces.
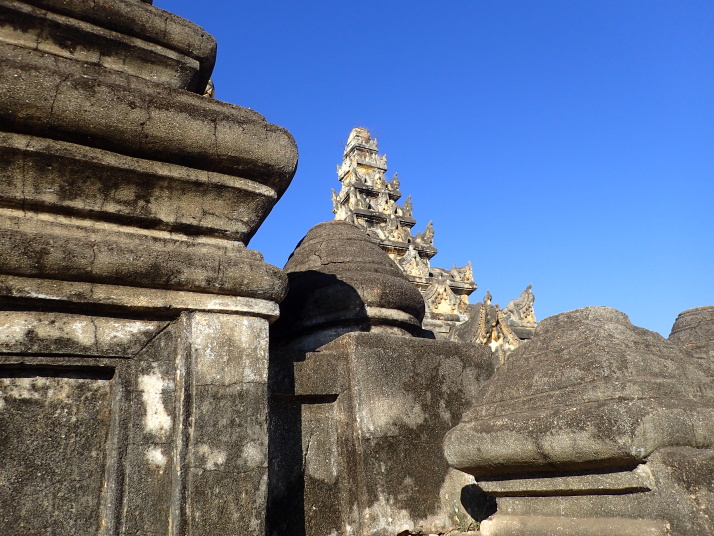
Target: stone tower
pixel 368 200
pixel 133 318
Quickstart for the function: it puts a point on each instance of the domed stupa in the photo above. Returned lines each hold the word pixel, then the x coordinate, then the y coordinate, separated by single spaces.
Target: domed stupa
pixel 340 280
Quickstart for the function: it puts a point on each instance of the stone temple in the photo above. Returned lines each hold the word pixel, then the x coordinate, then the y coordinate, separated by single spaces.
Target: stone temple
pixel 158 377
pixel 369 200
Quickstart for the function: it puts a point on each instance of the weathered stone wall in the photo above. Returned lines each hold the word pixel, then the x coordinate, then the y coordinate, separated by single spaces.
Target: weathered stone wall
pixel 133 320
pixel 113 425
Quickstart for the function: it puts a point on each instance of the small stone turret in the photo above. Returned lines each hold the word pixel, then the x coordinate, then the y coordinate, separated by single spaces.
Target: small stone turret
pixel 594 427
pixel 341 281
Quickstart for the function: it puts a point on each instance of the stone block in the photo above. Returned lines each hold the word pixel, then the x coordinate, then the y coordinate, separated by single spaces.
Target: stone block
pixel 363 423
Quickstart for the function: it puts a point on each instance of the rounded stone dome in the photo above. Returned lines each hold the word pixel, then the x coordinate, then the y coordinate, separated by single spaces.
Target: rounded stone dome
pixel 588 390
pixel 340 280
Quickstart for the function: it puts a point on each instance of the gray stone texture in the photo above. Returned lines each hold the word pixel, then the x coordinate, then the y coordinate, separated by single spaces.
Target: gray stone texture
pixel 121 19
pixel 56 176
pixel 68 37
pixel 132 432
pixel 592 419
pixel 694 329
pixel 91 252
pixel 340 281
pixel 356 429
pixel 133 320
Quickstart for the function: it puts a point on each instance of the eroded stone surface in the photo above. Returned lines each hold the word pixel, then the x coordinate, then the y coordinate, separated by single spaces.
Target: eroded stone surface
pixel 37 29
pixel 54 480
pixel 62 333
pixel 694 329
pixel 341 281
pixel 63 248
pixel 139 20
pixel 38 173
pixel 363 417
pixel 594 423
pixel 591 389
pixel 63 99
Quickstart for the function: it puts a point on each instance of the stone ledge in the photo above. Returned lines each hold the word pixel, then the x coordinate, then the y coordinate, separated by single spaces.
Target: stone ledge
pixel 616 482
pixel 70 249
pixel 37 29
pixel 146 22
pixel 37 332
pixel 66 100
pixel 574 439
pixel 26 290
pixel 512 525
pixel 60 177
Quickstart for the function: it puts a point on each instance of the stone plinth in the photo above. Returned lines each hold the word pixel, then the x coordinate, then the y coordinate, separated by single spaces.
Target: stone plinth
pixel 594 427
pixel 356 429
pixel 133 320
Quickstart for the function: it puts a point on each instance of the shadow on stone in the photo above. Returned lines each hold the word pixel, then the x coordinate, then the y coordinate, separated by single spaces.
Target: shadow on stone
pixel 286 483
pixel 476 503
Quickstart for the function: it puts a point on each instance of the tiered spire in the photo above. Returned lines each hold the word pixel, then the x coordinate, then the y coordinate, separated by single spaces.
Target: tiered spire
pixel 368 200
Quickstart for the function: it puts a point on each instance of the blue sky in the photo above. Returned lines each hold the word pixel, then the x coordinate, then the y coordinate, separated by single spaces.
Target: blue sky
pixel 566 144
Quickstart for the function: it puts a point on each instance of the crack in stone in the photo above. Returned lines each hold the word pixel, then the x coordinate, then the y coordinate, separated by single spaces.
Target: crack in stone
pixel 56 94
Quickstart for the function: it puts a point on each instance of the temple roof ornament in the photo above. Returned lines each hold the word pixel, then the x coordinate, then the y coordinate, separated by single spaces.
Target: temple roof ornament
pixel 371 202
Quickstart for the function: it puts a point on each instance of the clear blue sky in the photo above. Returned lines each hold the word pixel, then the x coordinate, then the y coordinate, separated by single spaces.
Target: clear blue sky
pixel 567 144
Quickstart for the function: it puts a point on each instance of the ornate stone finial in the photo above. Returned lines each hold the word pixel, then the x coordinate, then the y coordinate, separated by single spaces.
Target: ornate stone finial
pixel 521 309
pixel 467 273
pixel 407 207
pixel 440 298
pixel 428 234
pixel 487 298
pixel 334 201
pixel 414 265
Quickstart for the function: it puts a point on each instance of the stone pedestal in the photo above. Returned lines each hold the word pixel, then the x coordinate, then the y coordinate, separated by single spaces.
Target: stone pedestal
pixel 594 427
pixel 359 406
pixel 356 433
pixel 133 320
